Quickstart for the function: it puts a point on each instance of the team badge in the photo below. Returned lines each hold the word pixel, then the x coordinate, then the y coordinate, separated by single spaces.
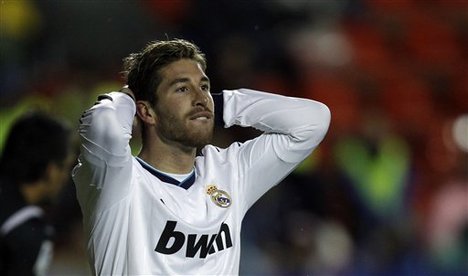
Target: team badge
pixel 219 197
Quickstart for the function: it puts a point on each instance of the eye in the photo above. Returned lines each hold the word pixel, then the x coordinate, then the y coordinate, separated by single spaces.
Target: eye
pixel 205 87
pixel 182 89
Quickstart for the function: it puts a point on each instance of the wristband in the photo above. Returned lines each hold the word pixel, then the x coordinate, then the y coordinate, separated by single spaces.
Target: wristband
pixel 218 100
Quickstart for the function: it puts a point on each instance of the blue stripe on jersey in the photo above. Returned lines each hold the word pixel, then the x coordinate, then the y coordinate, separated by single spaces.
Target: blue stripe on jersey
pixel 187 183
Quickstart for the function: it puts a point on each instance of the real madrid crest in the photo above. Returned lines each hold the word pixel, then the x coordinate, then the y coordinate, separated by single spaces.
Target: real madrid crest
pixel 219 197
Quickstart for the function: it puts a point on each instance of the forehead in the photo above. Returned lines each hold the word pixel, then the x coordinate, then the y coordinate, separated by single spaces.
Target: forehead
pixel 182 68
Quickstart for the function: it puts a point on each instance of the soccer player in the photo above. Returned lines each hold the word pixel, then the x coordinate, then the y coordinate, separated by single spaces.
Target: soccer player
pixel 169 211
pixel 35 163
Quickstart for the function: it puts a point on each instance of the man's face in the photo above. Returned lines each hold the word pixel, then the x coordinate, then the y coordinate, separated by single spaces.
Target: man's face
pixel 184 108
pixel 57 176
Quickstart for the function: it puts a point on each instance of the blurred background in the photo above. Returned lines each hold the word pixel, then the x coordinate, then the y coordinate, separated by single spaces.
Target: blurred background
pixel 386 193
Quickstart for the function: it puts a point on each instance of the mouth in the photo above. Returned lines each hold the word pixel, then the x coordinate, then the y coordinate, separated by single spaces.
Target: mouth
pixel 202 116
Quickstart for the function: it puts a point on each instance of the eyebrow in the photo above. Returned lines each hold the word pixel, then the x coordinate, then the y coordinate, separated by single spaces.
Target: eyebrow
pixel 183 80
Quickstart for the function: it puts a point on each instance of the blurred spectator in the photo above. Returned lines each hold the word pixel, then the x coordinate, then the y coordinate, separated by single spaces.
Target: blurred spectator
pixel 34 165
pixel 447 214
pixel 21 23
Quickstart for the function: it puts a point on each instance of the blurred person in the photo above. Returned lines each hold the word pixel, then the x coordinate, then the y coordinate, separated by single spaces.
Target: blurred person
pixel 446 225
pixel 34 165
pixel 170 210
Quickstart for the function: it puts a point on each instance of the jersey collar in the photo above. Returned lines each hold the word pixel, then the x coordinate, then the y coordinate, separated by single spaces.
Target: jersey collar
pixel 187 183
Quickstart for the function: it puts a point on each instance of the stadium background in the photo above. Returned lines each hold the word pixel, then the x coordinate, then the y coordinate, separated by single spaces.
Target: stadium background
pixel 387 191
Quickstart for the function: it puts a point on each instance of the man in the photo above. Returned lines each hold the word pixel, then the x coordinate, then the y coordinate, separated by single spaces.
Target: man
pixel 34 165
pixel 169 211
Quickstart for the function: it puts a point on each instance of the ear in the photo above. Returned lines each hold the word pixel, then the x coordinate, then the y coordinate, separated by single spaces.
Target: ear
pixel 145 112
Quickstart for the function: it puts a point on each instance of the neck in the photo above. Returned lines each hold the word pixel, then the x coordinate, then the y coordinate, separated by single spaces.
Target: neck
pixel 169 158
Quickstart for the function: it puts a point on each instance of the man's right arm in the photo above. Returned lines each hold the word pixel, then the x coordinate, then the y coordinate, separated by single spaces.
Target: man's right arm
pixel 103 173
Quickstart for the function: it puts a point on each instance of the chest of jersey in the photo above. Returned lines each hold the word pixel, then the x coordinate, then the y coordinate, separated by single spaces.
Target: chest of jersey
pixel 195 223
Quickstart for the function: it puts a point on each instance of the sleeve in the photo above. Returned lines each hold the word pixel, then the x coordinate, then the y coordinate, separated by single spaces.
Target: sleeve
pixel 292 128
pixel 103 173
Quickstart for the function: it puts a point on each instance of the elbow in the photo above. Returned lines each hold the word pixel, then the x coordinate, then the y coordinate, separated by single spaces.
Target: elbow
pixel 325 118
pixel 322 123
pixel 318 123
pixel 319 119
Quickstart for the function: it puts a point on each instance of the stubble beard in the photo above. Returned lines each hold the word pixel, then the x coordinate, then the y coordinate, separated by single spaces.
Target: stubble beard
pixel 175 130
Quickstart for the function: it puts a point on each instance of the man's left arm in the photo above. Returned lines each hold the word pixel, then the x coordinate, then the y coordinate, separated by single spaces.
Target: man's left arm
pixel 292 128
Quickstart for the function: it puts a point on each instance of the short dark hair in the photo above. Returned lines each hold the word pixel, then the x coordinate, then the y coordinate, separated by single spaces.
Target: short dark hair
pixel 141 70
pixel 34 140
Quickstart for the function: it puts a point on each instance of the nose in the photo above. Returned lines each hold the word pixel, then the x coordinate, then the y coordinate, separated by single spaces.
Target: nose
pixel 200 97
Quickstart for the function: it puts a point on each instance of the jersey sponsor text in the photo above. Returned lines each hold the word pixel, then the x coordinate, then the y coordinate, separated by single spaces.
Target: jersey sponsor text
pixel 203 244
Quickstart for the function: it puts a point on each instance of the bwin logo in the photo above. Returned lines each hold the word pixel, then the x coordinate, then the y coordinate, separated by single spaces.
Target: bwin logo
pixel 204 244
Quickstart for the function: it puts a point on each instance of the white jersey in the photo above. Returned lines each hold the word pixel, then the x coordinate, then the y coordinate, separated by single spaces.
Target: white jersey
pixel 139 221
